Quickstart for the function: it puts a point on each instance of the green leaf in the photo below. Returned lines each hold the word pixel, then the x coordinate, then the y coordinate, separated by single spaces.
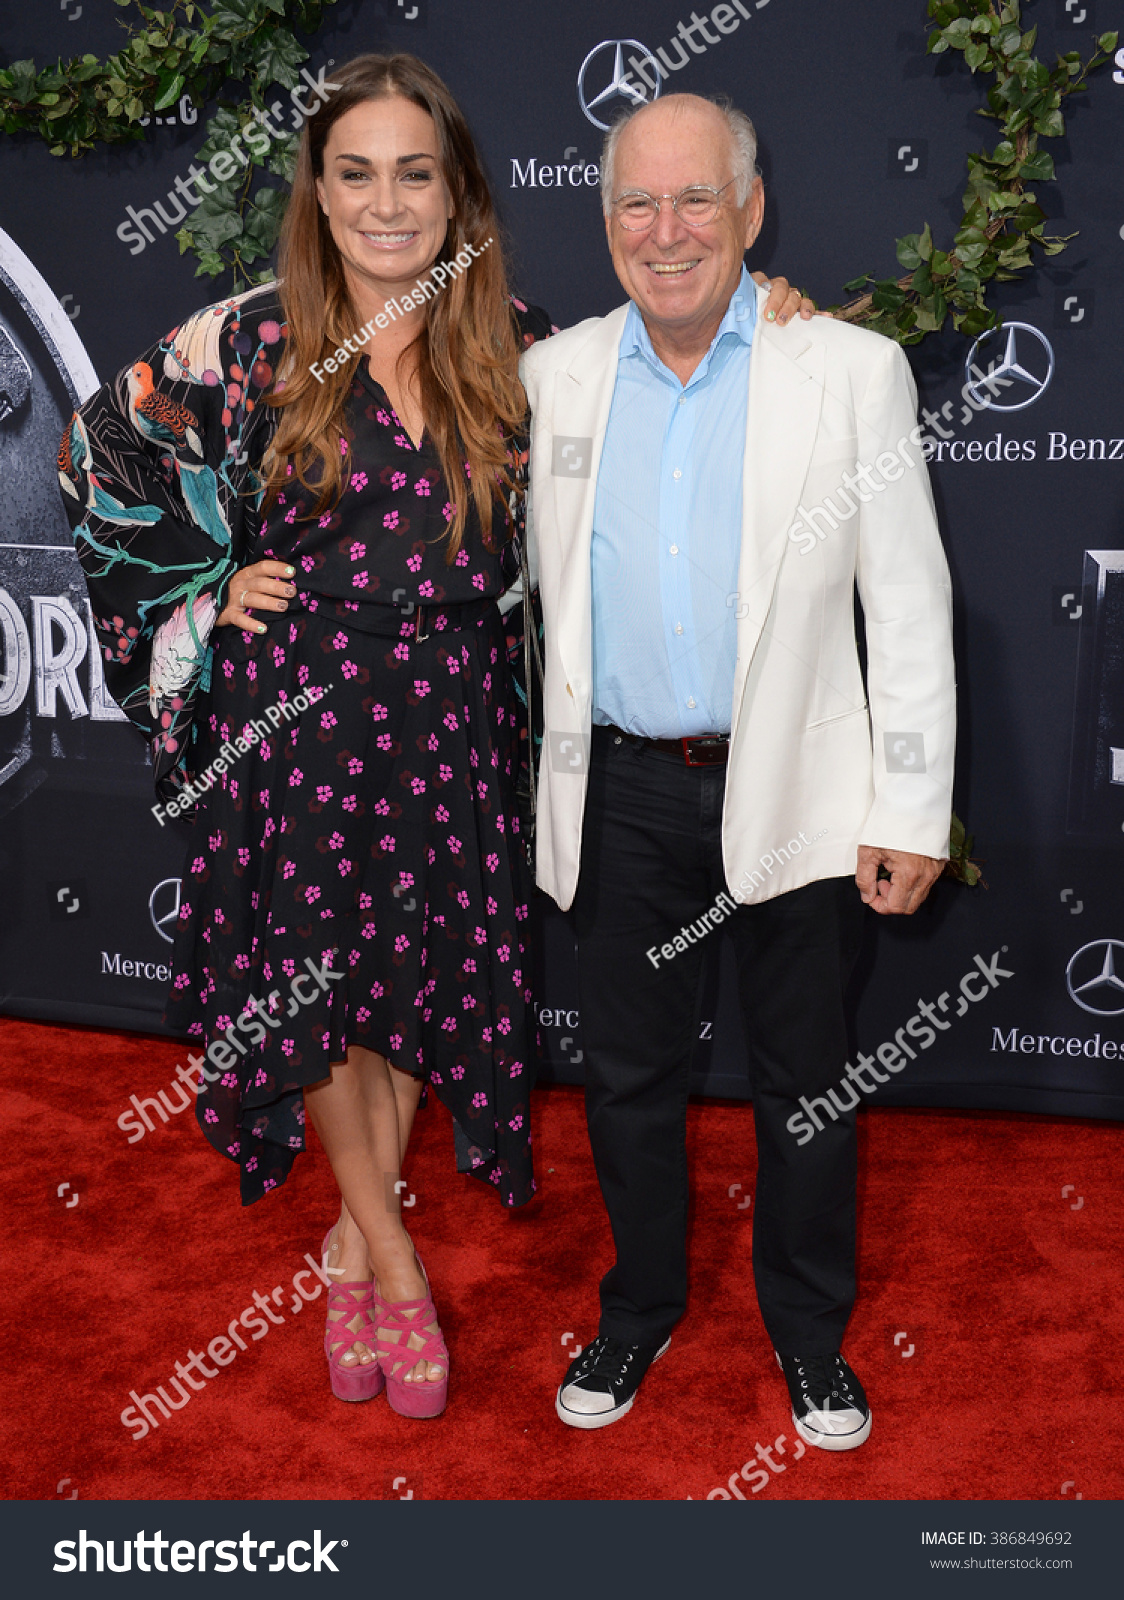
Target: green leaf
pixel 170 93
pixel 280 60
pixel 1052 125
pixel 1107 42
pixel 976 54
pixel 908 253
pixel 925 243
pixel 855 284
pixel 1038 167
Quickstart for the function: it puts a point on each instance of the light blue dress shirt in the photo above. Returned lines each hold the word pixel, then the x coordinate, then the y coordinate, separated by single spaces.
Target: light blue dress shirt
pixel 667 533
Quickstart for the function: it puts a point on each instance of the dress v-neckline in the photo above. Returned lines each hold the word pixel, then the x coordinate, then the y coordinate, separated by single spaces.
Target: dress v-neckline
pixel 366 374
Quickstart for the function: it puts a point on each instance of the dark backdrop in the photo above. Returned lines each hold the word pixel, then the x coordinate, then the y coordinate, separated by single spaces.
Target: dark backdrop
pixel 864 138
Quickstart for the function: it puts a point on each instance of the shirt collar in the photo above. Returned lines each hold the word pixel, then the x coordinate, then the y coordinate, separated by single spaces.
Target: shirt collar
pixel 740 319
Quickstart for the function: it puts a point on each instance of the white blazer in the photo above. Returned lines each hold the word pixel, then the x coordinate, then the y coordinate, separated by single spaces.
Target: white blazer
pixel 813 770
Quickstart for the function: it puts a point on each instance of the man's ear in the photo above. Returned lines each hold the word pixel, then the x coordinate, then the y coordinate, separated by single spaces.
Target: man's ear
pixel 754 211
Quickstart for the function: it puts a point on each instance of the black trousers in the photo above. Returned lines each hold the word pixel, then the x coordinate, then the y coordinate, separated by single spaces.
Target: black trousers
pixel 651 863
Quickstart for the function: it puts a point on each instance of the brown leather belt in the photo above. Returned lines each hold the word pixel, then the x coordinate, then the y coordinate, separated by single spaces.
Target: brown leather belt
pixel 702 750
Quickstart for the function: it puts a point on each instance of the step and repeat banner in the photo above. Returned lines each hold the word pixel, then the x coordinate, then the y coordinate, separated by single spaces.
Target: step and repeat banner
pixel 1008 996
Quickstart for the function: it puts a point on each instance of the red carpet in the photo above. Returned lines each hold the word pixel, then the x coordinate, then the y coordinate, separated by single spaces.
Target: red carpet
pixel 1007 1296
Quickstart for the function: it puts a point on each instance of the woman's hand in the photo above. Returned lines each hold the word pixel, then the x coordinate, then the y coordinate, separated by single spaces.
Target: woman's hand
pixel 784 301
pixel 263 585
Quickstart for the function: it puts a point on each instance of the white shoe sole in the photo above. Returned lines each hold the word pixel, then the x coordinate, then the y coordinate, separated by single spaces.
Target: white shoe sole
pixel 833 1441
pixel 602 1419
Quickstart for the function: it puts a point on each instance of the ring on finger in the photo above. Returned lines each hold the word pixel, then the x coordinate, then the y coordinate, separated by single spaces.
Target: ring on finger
pixel 242 602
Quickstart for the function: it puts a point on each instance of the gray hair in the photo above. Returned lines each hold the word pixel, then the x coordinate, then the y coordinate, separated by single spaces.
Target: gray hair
pixel 742 133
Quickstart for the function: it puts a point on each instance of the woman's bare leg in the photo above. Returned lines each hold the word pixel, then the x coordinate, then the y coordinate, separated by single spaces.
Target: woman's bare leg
pixel 363 1115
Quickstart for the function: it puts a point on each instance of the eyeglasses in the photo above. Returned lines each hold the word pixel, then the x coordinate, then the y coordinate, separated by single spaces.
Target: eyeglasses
pixel 696 206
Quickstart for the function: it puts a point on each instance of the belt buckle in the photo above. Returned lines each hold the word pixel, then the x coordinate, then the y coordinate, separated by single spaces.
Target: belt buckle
pixel 714 744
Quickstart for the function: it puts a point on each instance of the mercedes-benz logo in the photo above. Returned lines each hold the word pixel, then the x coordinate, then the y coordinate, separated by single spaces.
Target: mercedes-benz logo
pixel 621 87
pixel 1010 368
pixel 1092 979
pixel 164 907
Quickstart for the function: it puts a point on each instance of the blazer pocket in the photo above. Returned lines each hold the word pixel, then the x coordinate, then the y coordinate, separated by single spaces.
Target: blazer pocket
pixel 838 716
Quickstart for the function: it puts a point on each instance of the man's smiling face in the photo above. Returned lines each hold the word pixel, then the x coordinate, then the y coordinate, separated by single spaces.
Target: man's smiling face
pixel 681 278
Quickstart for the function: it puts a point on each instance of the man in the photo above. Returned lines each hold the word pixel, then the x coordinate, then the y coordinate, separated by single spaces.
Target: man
pixel 707 490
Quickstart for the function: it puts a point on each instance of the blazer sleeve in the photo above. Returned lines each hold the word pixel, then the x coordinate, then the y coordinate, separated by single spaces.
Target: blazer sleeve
pixel 903 584
pixel 157 474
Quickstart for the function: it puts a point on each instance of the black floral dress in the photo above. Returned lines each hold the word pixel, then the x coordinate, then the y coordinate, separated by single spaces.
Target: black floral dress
pixel 357 875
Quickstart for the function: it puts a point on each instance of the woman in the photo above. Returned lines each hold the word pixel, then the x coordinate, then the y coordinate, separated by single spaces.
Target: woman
pixel 293 514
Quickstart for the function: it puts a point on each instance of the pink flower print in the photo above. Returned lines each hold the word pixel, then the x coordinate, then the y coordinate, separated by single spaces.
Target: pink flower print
pixel 481 936
pixel 387 843
pixel 323 793
pixel 336 840
pixel 384 741
pixel 478 580
pixel 230 1080
pixel 457 1072
pixel 462 901
pixel 378 713
pixel 417 785
pixel 426 589
pixel 499 823
pixel 441 815
pixel 350 670
pixel 361 580
pixel 390 520
pixel 504 1025
pixel 454 844
pixel 251 669
pixel 227 667
pixel 450 721
pixel 467 471
pixel 324 520
pixel 198 864
pixel 354 767
pixel 401 943
pixel 308 562
pixel 288 869
pixel 515 1124
pixel 448 511
pixel 473 758
pixel 343 447
pixel 493 861
pixel 260 1078
pixel 405 880
pixel 291 514
pixel 414 562
pixel 356 550
pixel 492 906
pixel 312 893
pixel 339 642
pixel 422 487
pixel 481 788
pixel 397 480
pixel 288 967
pixel 504 952
pixel 469 964
pixel 517 978
pixel 445 772
pixel 402 652
pixel 454 667
pixel 421 687
pixel 515 1069
pixel 243 857
pixel 382 808
pixel 383 417
pixel 461 559
pixel 449 1025
pixel 402 442
pixel 487 680
pixel 358 480
pixel 431 855
pixel 396 1041
pixel 432 742
pixel 521 913
pixel 327 719
pixel 479 1099
pixel 210 1116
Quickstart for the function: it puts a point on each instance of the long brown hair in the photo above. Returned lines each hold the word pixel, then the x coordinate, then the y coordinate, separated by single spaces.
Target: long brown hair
pixel 467 352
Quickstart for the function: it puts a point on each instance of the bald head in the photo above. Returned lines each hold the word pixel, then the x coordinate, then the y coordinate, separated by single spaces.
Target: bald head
pixel 715 133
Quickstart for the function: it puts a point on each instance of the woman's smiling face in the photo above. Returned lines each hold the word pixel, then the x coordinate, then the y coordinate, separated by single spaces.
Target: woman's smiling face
pixel 382 190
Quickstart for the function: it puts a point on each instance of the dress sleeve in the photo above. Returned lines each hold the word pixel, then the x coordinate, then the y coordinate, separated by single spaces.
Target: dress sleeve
pixel 157 472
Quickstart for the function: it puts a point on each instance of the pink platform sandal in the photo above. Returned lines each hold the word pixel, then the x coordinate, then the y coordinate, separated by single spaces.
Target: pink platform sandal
pixel 406 1317
pixel 353 1300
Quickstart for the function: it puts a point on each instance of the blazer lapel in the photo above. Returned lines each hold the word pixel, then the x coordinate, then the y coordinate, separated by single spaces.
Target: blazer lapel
pixel 785 400
pixel 583 396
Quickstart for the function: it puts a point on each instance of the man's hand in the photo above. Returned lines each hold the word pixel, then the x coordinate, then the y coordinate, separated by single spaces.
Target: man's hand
pixel 784 301
pixel 911 878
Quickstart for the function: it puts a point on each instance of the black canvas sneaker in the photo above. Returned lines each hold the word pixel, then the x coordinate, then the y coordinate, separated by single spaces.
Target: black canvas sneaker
pixel 829 1407
pixel 600 1384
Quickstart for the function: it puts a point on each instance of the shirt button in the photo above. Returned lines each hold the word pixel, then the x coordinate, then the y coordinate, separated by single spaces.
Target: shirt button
pixel 679 627
pixel 691 704
pixel 675 549
pixel 682 399
pixel 677 473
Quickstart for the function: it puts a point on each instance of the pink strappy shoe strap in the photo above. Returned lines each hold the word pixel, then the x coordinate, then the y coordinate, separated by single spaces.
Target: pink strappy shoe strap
pixel 397 1355
pixel 352 1300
